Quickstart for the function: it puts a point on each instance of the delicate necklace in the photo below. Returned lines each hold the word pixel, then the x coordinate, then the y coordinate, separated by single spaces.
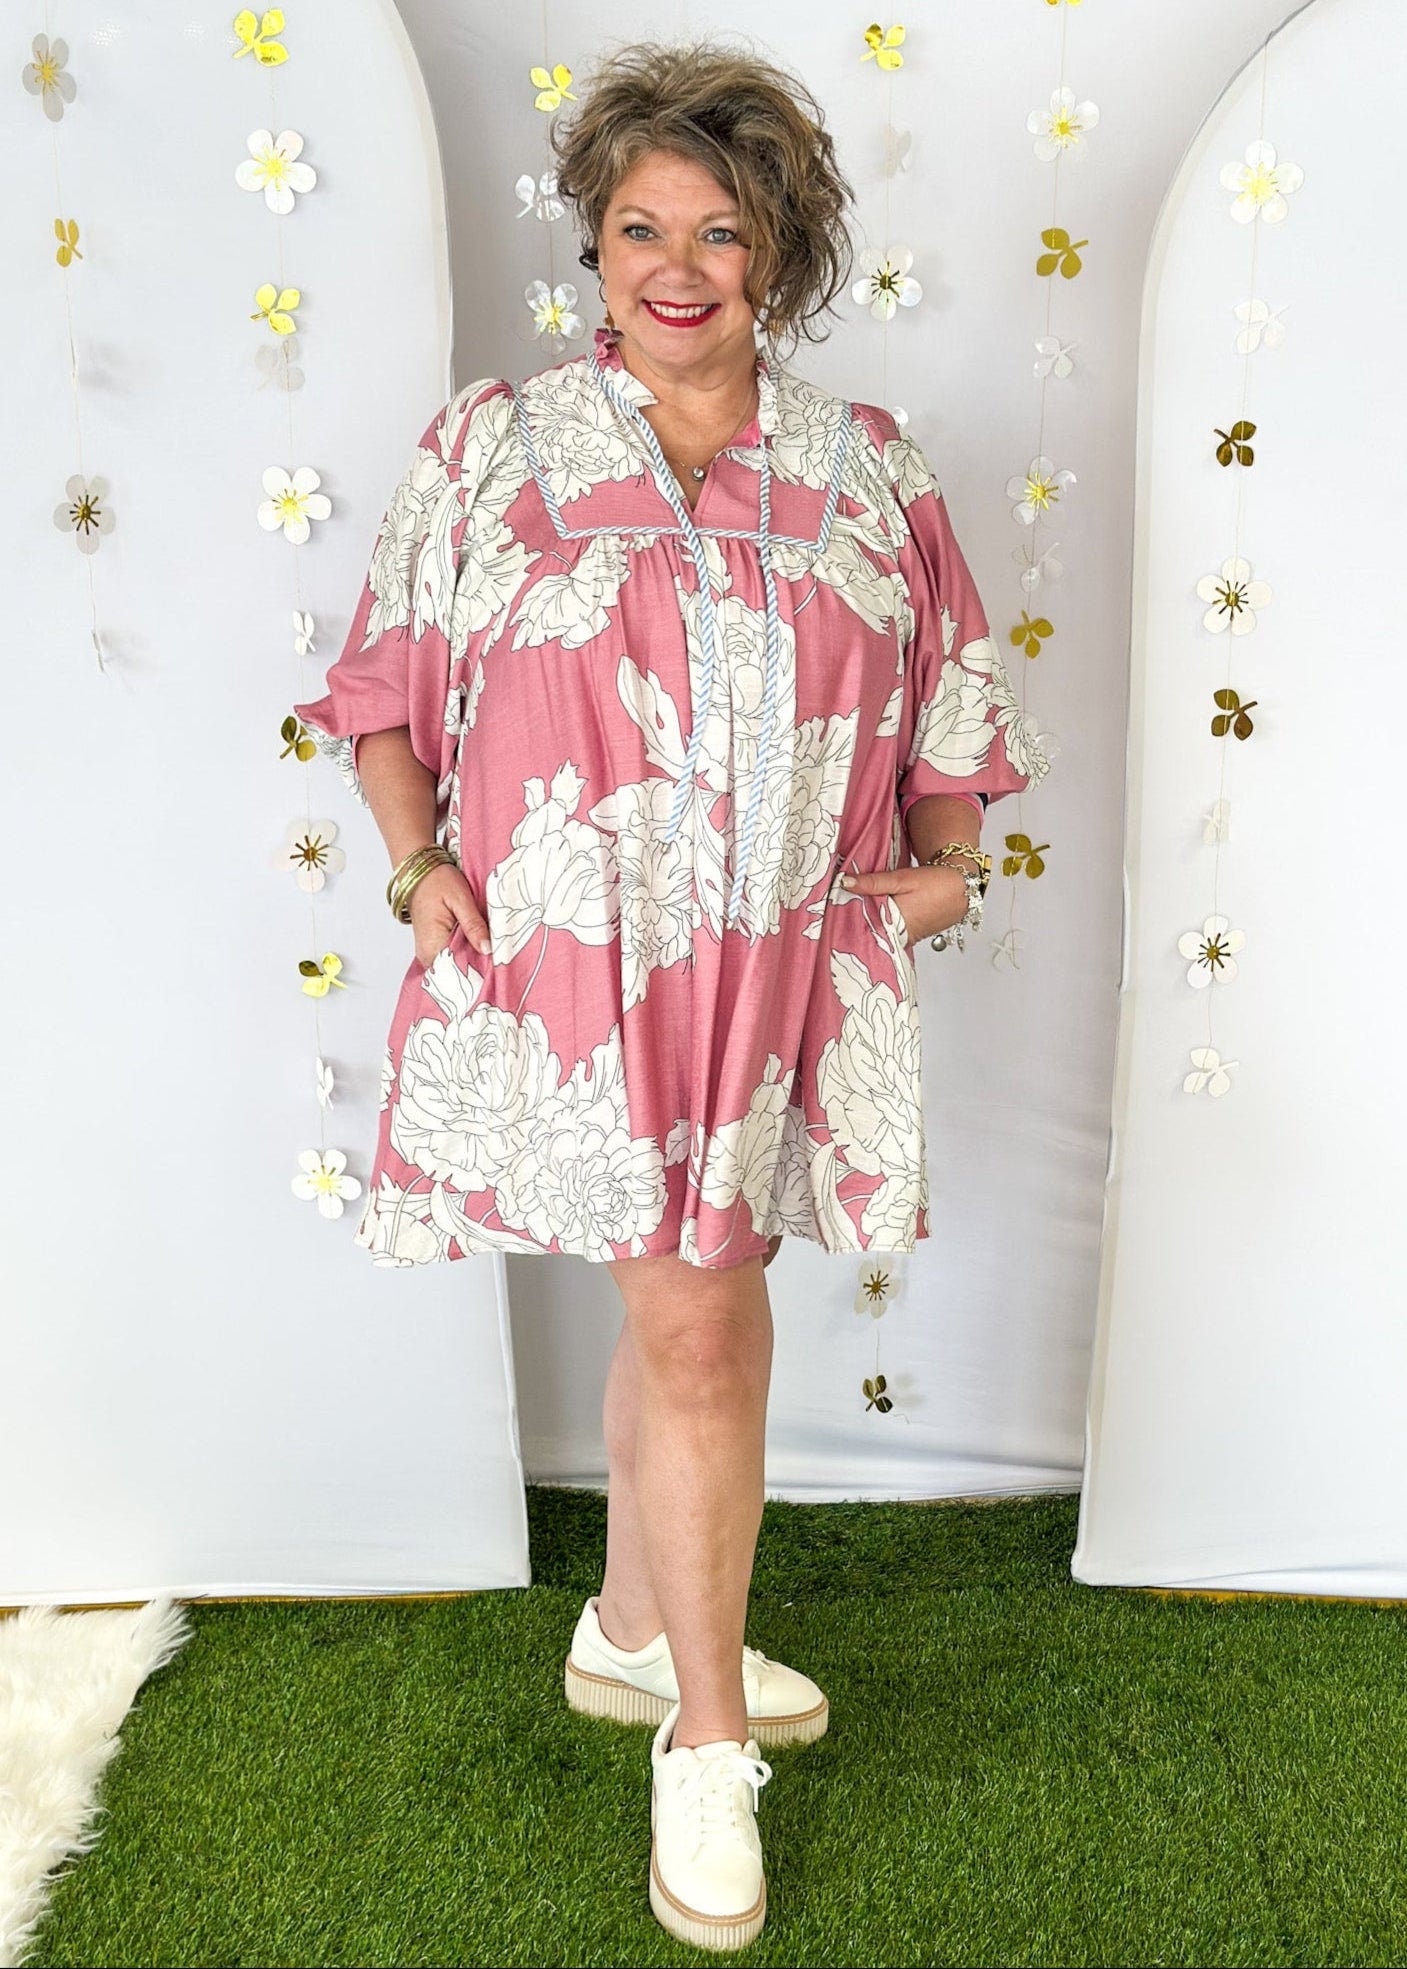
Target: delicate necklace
pixel 701 471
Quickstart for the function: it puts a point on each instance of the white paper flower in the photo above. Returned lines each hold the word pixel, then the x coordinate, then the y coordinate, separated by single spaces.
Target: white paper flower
pixel 899 414
pixel 271 168
pixel 292 502
pixel 1217 823
pixel 1259 324
pixel 84 512
pixel 1004 950
pixel 47 77
pixel 552 310
pixel 1209 1070
pixel 323 1178
pixel 539 195
pixel 1059 131
pixel 885 284
pixel 1260 185
pixel 897 146
pixel 1234 597
pixel 1053 356
pixel 278 362
pixel 307 849
pixel 1038 491
pixel 324 1079
pixel 302 633
pixel 878 1283
pixel 1211 949
pixel 1036 568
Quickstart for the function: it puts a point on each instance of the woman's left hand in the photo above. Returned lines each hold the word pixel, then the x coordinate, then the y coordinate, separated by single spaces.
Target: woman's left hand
pixel 929 899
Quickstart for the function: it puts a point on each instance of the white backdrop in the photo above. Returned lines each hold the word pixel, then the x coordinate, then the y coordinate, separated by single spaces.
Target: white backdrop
pixel 1245 1424
pixel 244 1401
pixel 206 1388
pixel 987 1351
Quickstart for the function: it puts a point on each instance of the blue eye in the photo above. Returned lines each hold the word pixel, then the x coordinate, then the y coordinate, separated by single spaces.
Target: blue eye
pixel 638 225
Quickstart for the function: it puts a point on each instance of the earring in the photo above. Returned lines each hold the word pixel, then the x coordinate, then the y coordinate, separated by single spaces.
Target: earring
pixel 600 289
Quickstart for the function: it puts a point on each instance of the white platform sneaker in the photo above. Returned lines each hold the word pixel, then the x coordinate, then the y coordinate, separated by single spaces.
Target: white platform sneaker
pixel 707 1885
pixel 640 1686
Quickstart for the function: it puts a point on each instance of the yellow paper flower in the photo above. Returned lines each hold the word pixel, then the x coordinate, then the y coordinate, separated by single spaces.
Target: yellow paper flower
pixel 276 307
pixel 884 45
pixel 1024 854
pixel 318 980
pixel 296 740
pixel 66 233
pixel 551 89
pixel 255 36
pixel 1028 635
pixel 1064 256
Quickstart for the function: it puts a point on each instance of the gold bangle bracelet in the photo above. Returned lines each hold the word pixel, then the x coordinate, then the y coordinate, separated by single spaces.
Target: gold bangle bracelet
pixel 409 872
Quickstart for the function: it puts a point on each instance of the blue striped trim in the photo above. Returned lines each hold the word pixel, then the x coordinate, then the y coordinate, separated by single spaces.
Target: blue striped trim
pixel 693 536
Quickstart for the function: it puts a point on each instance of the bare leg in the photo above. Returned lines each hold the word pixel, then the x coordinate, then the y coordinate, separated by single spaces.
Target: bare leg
pixel 627 1608
pixel 701 1347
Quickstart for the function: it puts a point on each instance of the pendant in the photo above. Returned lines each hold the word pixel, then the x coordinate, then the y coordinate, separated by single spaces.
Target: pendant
pixel 700 471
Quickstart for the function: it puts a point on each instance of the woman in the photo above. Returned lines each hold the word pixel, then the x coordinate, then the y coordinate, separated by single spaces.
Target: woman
pixel 674 702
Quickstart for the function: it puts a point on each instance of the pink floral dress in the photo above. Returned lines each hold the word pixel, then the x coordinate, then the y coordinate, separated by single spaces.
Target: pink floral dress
pixel 659 736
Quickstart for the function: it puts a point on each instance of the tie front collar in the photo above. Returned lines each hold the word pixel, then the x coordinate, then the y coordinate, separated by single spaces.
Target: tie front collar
pixel 638 392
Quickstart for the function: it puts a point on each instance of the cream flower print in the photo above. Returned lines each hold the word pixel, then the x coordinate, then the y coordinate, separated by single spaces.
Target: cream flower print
pixel 1234 597
pixel 878 1283
pixel 303 632
pixel 1260 185
pixel 1059 131
pixel 552 310
pixel 1212 950
pixel 307 849
pixel 324 1178
pixel 83 511
pixel 539 195
pixel 47 76
pixel 1209 1071
pixel 272 168
pixel 886 283
pixel 1037 491
pixel 292 502
pixel 1260 324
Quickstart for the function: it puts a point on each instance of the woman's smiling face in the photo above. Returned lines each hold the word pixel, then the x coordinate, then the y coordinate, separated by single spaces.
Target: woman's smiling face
pixel 672 267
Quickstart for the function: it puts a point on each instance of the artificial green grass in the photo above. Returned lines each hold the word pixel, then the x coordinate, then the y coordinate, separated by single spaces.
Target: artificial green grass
pixel 1019 1770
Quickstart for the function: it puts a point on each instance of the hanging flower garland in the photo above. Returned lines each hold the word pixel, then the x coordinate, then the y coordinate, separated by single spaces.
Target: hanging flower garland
pixel 1037 497
pixel 552 318
pixel 85 512
pixel 885 285
pixel 276 170
pixel 1234 597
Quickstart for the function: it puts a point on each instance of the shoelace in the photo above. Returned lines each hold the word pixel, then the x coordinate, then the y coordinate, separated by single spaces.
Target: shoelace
pixel 709 1794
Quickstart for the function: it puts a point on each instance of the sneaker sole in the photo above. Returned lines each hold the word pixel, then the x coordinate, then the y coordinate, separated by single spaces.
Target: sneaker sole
pixel 714 1931
pixel 605 1695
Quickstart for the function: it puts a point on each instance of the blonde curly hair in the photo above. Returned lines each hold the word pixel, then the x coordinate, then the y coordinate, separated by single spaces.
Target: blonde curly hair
pixel 757 129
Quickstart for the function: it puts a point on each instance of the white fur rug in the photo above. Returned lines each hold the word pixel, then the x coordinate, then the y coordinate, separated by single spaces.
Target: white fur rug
pixel 66 1682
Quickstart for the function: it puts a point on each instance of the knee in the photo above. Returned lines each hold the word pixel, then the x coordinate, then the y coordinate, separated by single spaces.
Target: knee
pixel 705 1363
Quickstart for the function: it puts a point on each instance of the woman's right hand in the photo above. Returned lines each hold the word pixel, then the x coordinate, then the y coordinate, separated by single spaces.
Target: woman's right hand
pixel 438 902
